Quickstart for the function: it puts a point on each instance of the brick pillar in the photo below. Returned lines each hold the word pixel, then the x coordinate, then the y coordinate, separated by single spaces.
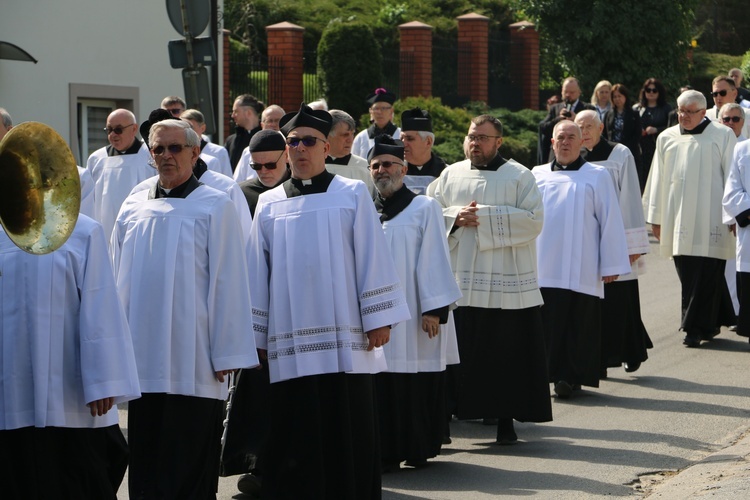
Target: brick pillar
pixel 416 59
pixel 473 37
pixel 227 108
pixel 285 65
pixel 524 57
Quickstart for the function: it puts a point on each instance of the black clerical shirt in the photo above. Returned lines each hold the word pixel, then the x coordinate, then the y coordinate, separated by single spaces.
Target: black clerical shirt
pixel 315 185
pixel 181 191
pixel 133 149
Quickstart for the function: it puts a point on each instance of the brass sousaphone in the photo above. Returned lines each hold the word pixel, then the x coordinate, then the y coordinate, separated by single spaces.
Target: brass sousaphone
pixel 40 190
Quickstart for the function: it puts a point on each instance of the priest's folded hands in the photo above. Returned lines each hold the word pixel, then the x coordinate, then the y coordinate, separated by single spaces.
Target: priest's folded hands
pixel 467 216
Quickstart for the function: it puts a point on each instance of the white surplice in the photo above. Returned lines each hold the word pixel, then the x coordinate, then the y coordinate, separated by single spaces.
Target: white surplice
pixel 583 238
pixel 494 263
pixel 182 277
pixel 87 192
pixel 736 201
pixel 65 341
pixel 321 277
pixel 243 171
pixel 684 191
pixel 222 156
pixel 357 168
pixel 621 167
pixel 221 183
pixel 114 177
pixel 416 238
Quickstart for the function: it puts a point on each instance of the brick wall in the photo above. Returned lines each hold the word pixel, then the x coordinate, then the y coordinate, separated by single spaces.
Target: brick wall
pixel 285 65
pixel 525 61
pixel 473 35
pixel 416 59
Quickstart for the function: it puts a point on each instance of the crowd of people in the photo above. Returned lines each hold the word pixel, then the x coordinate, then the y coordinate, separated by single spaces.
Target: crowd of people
pixel 308 307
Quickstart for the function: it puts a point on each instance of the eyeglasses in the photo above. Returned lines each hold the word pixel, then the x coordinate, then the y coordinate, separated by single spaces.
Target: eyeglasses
pixel 652 90
pixel 381 108
pixel 722 93
pixel 119 129
pixel 307 141
pixel 271 165
pixel 172 148
pixel 481 138
pixel 733 119
pixel 688 112
pixel 385 164
pixel 175 111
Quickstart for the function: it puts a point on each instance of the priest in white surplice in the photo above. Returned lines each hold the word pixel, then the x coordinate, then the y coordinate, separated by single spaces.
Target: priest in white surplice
pixel 624 338
pixel 682 202
pixel 493 214
pixel 736 202
pixel 381 116
pixel 181 271
pixel 411 394
pixel 117 168
pixel 582 246
pixel 340 160
pixel 325 292
pixel 424 166
pixel 67 358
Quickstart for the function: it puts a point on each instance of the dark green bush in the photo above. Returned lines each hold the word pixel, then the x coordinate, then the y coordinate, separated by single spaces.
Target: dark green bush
pixel 349 66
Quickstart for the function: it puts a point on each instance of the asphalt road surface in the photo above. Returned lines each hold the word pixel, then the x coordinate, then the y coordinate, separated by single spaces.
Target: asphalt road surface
pixel 682 405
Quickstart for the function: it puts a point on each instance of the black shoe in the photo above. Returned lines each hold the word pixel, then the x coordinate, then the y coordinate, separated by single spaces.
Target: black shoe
pixel 506 434
pixel 631 366
pixel 489 421
pixel 691 341
pixel 563 389
pixel 249 484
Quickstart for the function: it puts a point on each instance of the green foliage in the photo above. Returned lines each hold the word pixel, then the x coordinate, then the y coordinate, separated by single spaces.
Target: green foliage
pixel 708 66
pixel 745 66
pixel 346 77
pixel 624 42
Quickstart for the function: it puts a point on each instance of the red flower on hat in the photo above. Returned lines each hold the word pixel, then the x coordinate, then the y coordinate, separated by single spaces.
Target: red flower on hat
pixel 380 90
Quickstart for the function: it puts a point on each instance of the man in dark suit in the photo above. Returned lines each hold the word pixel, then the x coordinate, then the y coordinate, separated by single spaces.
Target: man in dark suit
pixel 565 110
pixel 742 93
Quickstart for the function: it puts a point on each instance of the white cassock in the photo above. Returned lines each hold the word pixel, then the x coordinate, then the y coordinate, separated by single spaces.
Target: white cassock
pixel 494 266
pixel 583 238
pixel 713 115
pixel 322 276
pixel 243 171
pixel 362 142
pixel 221 154
pixel 357 168
pixel 416 238
pixel 221 183
pixel 114 177
pixel 621 167
pixel 730 271
pixel 87 192
pixel 182 276
pixel 212 163
pixel 65 339
pixel 684 191
pixel 736 201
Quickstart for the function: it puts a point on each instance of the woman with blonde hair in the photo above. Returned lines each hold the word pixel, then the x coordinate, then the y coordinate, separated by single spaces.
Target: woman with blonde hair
pixel 601 98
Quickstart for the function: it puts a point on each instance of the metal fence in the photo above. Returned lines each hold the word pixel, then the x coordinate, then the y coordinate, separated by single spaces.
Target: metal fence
pixel 446 79
pixel 311 90
pixel 503 92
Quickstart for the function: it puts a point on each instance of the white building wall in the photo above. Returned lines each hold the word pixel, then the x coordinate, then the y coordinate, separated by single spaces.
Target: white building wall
pixel 94 42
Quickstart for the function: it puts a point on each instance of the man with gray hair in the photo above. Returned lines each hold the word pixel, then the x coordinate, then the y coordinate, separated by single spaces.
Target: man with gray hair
pixel 6 123
pixel 682 201
pixel 418 138
pixel 732 115
pixel 724 91
pixel 181 273
pixel 340 159
pixel 270 117
pixel 743 95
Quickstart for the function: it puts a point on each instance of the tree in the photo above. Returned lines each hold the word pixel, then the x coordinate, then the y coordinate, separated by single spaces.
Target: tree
pixel 623 42
pixel 349 65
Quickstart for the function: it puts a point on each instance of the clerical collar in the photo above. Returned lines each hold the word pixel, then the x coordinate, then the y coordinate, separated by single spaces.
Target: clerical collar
pixel 698 129
pixel 343 160
pixel 390 207
pixel 315 185
pixel 373 130
pixel 493 164
pixel 575 165
pixel 200 168
pixel 601 151
pixel 181 191
pixel 133 149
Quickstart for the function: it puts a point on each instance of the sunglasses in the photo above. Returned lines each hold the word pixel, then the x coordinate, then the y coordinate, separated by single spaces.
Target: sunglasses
pixel 385 164
pixel 118 129
pixel 734 119
pixel 269 166
pixel 308 141
pixel 172 148
pixel 652 90
pixel 722 93
pixel 175 111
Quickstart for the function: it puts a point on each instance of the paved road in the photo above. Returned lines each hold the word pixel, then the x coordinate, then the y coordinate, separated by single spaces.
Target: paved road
pixel 682 405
